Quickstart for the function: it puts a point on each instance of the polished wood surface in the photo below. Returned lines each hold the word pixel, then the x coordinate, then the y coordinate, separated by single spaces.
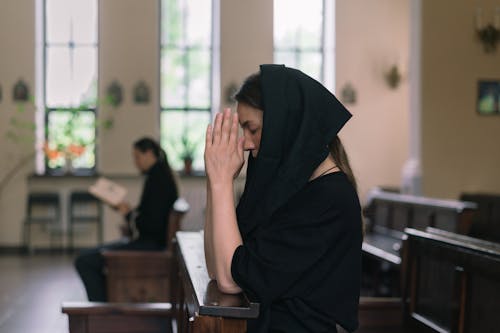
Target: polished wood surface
pixel 202 307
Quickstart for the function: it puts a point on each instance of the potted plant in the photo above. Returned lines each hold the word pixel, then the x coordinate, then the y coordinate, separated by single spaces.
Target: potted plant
pixel 188 149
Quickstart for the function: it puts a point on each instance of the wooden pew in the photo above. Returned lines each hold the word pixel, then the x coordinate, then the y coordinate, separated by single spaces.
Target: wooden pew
pixel 200 306
pixel 388 214
pixel 144 276
pixel 452 283
pixel 486 221
pixel 93 317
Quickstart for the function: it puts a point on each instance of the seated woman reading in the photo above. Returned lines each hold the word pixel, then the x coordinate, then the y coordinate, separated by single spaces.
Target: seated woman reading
pixel 294 241
pixel 150 217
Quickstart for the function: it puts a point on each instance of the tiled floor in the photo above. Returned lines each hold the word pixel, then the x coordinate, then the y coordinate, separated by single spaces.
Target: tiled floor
pixel 32 289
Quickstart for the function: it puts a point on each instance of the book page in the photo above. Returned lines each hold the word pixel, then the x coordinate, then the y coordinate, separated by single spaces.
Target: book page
pixel 108 191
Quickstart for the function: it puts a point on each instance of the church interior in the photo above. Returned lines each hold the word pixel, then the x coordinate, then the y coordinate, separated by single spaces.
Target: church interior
pixel 82 80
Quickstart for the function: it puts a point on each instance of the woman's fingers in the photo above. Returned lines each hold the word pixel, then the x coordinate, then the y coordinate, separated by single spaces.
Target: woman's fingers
pixel 208 136
pixel 217 129
pixel 226 125
pixel 233 138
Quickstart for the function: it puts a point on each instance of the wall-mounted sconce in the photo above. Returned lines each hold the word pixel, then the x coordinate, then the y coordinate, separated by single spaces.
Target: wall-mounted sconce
pixel 393 77
pixel 0 93
pixel 489 34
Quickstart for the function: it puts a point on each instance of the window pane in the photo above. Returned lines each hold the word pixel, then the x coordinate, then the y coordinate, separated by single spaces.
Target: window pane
pixel 182 132
pixel 286 58
pixel 199 22
pixel 84 21
pixel 199 79
pixel 58 77
pixel 58 21
pixel 71 77
pixel 310 63
pixel 298 24
pixel 71 138
pixel 84 80
pixel 171 23
pixel 173 89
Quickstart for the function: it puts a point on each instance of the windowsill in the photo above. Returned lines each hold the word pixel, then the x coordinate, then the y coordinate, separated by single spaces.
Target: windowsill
pixel 93 174
pixel 193 174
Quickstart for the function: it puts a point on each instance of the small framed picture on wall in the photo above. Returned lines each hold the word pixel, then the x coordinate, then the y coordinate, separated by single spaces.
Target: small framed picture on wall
pixel 488 97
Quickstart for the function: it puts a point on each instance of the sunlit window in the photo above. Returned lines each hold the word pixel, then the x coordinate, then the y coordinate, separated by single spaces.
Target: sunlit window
pixel 298 35
pixel 186 89
pixel 70 84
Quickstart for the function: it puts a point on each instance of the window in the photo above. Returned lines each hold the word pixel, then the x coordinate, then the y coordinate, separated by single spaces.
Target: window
pixel 299 34
pixel 70 84
pixel 186 81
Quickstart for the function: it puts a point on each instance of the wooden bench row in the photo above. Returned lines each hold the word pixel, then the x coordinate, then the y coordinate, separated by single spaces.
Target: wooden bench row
pixel 387 215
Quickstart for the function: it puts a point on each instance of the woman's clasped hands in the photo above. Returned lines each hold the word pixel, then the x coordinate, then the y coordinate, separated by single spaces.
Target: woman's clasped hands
pixel 224 155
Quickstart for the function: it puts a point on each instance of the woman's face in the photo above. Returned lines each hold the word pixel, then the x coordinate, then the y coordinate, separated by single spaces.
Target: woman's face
pixel 251 122
pixel 143 160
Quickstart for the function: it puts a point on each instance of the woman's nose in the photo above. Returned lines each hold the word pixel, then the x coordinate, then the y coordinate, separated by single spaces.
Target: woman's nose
pixel 248 144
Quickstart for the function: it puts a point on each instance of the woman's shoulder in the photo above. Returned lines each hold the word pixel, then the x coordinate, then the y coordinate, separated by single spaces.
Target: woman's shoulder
pixel 329 192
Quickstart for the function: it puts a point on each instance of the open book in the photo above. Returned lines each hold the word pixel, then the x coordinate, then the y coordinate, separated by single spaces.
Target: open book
pixel 108 191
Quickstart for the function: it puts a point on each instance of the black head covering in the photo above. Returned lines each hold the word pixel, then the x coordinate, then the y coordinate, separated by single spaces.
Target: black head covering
pixel 301 117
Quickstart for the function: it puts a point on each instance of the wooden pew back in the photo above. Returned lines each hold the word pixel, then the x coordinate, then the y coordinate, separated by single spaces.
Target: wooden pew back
pixel 143 276
pixel 388 214
pixel 395 211
pixel 451 285
pixel 486 221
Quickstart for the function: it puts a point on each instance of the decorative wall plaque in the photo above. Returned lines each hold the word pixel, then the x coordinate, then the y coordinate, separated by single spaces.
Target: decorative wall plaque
pixel 141 93
pixel 348 94
pixel 20 92
pixel 114 93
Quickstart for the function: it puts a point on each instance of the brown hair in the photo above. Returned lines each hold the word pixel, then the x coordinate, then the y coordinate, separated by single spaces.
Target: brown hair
pixel 340 157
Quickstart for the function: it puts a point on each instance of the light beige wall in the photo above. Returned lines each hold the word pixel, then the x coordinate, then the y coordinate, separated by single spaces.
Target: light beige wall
pixel 17 61
pixel 128 53
pixel 371 36
pixel 459 148
pixel 246 39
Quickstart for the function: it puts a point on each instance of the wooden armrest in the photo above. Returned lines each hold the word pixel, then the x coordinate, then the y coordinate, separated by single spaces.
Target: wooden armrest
pixel 100 308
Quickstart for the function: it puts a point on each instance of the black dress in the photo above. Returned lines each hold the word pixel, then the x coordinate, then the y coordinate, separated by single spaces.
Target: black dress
pixel 150 217
pixel 301 249
pixel 304 267
pixel 158 197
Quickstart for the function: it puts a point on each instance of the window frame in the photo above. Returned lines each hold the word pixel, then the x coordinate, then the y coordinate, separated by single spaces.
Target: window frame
pixel 47 170
pixel 322 50
pixel 185 48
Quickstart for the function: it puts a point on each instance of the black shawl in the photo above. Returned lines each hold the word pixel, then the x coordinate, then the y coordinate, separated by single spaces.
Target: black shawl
pixel 301 117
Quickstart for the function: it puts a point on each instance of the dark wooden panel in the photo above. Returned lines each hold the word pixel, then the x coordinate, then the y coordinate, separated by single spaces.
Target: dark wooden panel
pixel 453 284
pixel 486 221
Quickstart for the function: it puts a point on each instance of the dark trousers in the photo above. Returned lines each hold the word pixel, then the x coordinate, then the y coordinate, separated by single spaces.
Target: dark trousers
pixel 90 265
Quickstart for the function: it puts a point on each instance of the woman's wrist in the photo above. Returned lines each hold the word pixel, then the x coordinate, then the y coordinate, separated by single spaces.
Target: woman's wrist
pixel 220 183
